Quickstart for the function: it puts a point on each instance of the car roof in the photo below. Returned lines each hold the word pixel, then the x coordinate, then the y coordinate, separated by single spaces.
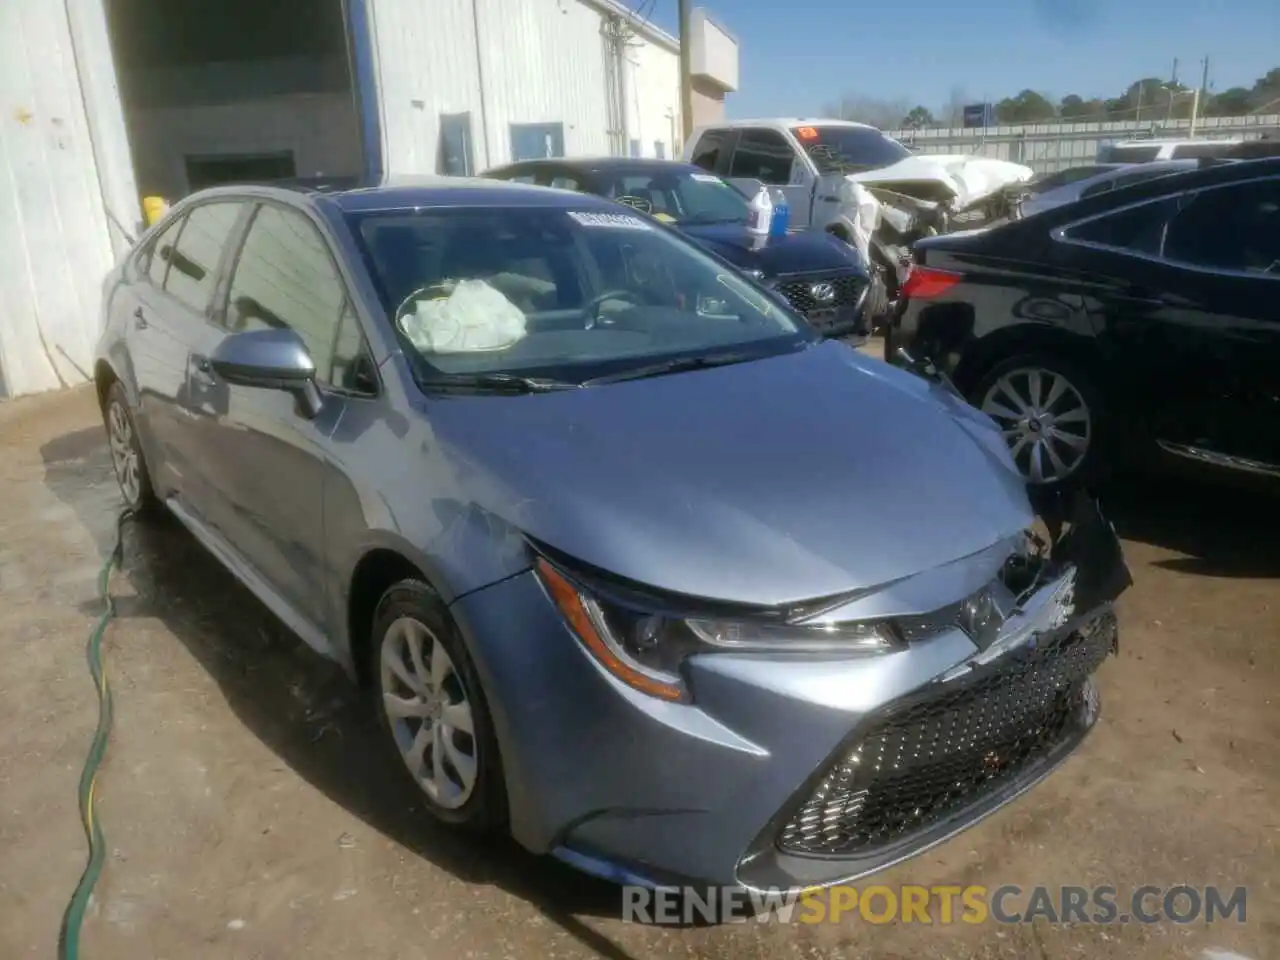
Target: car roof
pixel 599 164
pixel 1175 142
pixel 1204 175
pixel 791 122
pixel 411 192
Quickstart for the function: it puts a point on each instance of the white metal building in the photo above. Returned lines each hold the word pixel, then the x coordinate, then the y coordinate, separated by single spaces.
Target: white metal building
pixel 107 101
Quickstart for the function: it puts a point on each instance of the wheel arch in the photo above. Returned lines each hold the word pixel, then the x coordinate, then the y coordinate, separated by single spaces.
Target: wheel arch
pixel 104 376
pixel 379 567
pixel 984 354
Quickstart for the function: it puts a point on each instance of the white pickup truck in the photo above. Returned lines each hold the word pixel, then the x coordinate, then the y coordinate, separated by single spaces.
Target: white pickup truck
pixel 859 184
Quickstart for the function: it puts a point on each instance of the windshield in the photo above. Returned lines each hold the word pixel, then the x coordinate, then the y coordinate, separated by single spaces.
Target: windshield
pixel 849 149
pixel 677 196
pixel 569 295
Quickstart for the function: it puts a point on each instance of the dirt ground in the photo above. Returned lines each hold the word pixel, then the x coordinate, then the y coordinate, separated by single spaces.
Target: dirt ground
pixel 250 815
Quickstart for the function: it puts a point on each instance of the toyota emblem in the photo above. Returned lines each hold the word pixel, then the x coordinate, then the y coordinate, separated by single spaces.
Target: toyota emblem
pixel 823 292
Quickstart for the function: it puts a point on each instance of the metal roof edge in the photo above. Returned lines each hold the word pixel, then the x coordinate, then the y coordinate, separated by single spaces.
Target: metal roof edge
pixel 649 30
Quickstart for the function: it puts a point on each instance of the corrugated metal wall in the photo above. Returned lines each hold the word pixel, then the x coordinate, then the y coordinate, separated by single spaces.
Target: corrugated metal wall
pixel 1046 147
pixel 55 244
pixel 508 62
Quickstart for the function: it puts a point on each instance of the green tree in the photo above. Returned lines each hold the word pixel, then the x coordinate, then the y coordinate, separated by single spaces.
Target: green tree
pixel 918 117
pixel 1078 109
pixel 1234 102
pixel 1026 107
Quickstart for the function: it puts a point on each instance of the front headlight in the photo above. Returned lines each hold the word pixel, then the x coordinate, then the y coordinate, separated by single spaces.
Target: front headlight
pixel 646 649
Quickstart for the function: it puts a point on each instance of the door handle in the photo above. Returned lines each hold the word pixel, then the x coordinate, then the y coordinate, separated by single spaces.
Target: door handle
pixel 140 319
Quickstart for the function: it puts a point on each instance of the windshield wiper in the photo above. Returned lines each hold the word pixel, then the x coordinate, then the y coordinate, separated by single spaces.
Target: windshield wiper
pixel 498 382
pixel 678 365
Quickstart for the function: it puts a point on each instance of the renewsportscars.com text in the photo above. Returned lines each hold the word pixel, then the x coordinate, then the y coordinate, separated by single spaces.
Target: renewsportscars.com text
pixel 940 904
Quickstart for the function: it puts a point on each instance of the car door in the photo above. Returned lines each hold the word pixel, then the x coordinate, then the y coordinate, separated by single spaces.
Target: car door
pixel 266 462
pixel 764 154
pixel 1187 307
pixel 158 354
pixel 171 317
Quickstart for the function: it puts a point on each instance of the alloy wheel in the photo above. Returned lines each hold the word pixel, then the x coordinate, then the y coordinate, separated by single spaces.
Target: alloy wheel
pixel 124 452
pixel 429 712
pixel 1045 421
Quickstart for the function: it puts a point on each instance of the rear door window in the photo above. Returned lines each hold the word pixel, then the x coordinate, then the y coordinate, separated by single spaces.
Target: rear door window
pixel 763 155
pixel 155 260
pixel 1139 229
pixel 1235 227
pixel 710 151
pixel 194 260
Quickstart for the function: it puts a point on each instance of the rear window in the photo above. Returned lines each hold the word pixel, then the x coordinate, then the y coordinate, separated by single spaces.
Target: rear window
pixel 840 149
pixel 1115 153
pixel 1185 151
pixel 1064 177
pixel 675 195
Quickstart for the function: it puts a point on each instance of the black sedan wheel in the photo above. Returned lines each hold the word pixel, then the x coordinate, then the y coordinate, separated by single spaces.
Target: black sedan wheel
pixel 1046 410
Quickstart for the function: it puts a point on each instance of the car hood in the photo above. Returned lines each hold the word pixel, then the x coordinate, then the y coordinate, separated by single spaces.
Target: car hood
pixel 800 476
pixel 807 251
pixel 961 180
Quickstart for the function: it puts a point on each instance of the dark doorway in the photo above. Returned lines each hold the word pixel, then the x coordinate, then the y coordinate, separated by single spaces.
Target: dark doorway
pixel 260 168
pixel 220 91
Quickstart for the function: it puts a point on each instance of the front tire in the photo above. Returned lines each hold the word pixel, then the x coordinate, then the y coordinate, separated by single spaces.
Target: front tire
pixel 432 708
pixel 126 453
pixel 1049 413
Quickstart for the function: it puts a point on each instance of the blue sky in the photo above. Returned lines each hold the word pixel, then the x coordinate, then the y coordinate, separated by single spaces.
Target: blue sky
pixel 799 55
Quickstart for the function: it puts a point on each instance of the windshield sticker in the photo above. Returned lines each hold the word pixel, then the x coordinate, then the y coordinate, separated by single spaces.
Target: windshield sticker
pixel 664 217
pixel 621 221
pixel 705 178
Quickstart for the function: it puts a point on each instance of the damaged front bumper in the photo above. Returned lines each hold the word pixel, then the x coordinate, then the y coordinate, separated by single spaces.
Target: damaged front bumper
pixel 798 771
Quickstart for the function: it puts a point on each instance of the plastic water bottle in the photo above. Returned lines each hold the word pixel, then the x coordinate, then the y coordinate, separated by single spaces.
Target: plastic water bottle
pixel 781 214
pixel 760 213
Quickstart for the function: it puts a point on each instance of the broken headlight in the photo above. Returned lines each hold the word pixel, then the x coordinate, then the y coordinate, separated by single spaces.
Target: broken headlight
pixel 645 649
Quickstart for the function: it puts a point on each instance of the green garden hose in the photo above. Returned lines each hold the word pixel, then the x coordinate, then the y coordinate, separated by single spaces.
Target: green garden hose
pixel 73 917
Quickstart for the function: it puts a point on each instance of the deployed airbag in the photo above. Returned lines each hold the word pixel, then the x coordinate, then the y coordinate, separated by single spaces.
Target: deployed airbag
pixel 474 317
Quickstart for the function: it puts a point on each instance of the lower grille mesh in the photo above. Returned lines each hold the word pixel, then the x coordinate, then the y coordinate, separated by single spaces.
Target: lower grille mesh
pixel 932 756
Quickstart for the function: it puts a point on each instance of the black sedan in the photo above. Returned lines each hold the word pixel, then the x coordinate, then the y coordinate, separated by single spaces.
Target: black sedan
pixel 1140 327
pixel 821 276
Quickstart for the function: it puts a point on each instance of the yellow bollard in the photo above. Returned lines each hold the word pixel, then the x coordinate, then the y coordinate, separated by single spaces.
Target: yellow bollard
pixel 153 208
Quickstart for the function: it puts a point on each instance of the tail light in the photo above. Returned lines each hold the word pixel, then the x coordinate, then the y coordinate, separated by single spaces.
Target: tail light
pixel 925 283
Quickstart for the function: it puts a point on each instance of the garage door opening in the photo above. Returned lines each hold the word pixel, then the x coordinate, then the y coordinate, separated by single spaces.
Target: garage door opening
pixel 235 91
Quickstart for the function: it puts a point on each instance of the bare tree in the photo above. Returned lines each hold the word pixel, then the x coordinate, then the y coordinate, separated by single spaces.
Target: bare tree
pixel 884 114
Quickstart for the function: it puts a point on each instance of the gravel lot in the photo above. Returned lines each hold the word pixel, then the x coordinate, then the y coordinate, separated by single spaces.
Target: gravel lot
pixel 250 814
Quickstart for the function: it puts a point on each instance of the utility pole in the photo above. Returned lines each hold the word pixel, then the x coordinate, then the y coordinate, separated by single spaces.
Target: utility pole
pixel 686 76
pixel 1202 95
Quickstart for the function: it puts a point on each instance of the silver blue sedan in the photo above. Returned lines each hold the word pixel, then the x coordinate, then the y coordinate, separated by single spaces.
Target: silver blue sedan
pixel 631 563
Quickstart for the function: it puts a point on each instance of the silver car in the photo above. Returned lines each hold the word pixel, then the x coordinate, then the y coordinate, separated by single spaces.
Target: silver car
pixel 585 512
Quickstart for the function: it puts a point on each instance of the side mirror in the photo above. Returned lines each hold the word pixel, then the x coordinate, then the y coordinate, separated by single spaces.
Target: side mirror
pixel 274 359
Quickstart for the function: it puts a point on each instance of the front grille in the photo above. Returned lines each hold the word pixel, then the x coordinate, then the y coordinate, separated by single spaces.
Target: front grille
pixel 847 289
pixel 949 747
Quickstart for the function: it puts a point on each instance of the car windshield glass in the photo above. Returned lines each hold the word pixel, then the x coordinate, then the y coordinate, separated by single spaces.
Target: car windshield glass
pixel 677 196
pixel 849 149
pixel 560 293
